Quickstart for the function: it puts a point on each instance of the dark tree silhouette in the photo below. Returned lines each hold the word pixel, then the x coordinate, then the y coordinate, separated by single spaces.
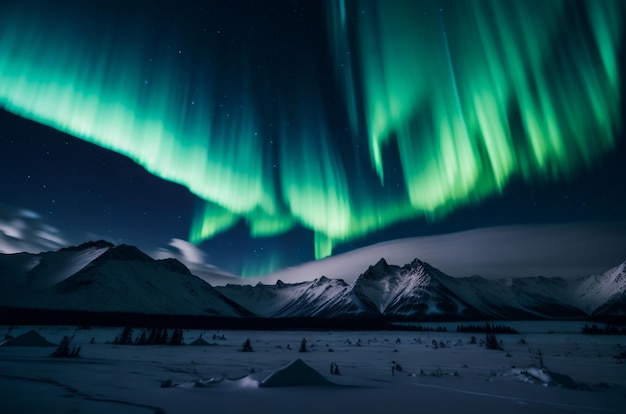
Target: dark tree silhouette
pixel 491 342
pixel 142 339
pixel 303 347
pixel 63 350
pixel 247 346
pixel 127 336
pixel 177 337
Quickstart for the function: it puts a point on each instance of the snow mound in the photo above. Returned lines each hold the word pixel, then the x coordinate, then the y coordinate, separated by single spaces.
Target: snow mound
pixel 545 377
pixel 200 342
pixel 30 338
pixel 295 374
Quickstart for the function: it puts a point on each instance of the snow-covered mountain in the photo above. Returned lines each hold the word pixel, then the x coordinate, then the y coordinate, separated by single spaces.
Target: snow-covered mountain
pixel 603 293
pixel 419 290
pixel 24 273
pixel 317 298
pixel 99 276
pixel 415 289
pixel 263 300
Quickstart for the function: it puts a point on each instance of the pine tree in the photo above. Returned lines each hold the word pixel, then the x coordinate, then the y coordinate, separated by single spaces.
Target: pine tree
pixel 177 337
pixel 491 342
pixel 303 346
pixel 247 346
pixel 154 337
pixel 63 349
pixel 127 336
pixel 142 338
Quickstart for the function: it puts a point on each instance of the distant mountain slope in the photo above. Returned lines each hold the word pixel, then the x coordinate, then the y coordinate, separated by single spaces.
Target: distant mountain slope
pixel 264 300
pixel 418 290
pixel 24 273
pixel 100 277
pixel 601 294
pixel 120 279
pixel 415 289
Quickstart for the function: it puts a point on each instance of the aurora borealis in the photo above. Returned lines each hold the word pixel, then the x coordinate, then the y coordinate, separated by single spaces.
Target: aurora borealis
pixel 343 118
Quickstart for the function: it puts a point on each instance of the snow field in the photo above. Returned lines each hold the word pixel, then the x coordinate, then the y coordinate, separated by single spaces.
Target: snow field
pixel 461 378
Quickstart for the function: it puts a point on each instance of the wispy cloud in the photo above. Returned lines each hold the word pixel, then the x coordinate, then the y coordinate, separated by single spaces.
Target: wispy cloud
pixel 195 259
pixel 23 230
pixel 566 250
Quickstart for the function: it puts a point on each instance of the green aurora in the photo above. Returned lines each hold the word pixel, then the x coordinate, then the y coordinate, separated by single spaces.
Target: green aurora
pixel 473 94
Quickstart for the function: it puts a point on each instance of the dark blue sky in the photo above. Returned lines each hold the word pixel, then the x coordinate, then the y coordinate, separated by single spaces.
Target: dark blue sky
pixel 86 192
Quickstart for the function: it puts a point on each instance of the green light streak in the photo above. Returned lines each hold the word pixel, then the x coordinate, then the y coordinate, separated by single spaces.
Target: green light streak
pixel 441 83
pixel 472 95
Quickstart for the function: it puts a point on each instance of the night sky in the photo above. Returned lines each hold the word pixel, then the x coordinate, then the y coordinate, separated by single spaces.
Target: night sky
pixel 271 133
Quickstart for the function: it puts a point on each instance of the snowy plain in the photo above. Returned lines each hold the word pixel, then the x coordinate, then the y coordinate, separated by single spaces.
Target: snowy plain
pixel 219 378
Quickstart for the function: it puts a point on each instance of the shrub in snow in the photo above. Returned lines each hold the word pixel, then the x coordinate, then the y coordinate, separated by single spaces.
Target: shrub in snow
pixel 8 334
pixel 247 346
pixel 63 351
pixel 603 330
pixel 126 338
pixel 158 336
pixel 303 347
pixel 491 342
pixel 141 339
pixel 177 337
pixel 501 329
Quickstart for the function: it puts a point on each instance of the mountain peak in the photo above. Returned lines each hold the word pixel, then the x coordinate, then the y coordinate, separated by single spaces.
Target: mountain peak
pixel 322 280
pixel 415 264
pixel 99 244
pixel 174 265
pixel 381 264
pixel 125 252
pixel 380 270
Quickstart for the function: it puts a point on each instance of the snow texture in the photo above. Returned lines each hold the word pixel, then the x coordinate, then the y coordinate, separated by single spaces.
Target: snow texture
pixel 580 374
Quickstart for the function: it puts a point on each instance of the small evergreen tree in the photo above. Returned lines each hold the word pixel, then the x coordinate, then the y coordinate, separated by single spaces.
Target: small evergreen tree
pixel 154 334
pixel 491 342
pixel 63 350
pixel 303 347
pixel 127 336
pixel 177 337
pixel 247 346
pixel 142 338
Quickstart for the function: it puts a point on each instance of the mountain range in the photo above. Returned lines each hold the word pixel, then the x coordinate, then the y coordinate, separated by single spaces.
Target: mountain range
pixel 101 277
